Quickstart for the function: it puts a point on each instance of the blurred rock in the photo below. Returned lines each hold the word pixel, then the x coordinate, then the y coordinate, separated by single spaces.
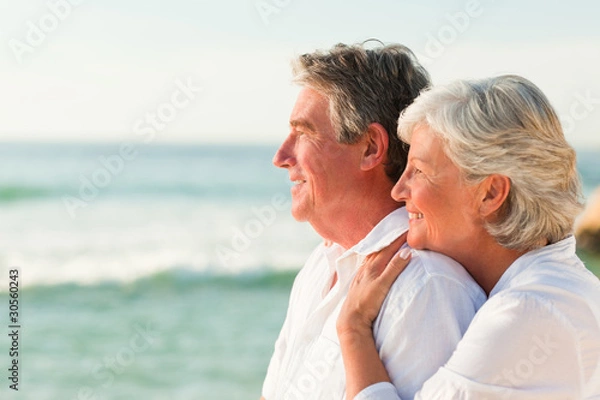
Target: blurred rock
pixel 587 229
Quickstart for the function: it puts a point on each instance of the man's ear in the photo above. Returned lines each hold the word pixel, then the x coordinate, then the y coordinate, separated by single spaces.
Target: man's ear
pixel 377 142
pixel 495 190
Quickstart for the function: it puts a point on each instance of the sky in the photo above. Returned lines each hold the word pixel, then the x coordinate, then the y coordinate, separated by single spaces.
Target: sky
pixel 219 72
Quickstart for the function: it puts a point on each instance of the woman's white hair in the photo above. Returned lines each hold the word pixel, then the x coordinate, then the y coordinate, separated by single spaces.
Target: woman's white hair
pixel 505 125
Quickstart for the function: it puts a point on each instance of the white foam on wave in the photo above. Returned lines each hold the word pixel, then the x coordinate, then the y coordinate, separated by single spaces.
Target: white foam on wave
pixel 123 240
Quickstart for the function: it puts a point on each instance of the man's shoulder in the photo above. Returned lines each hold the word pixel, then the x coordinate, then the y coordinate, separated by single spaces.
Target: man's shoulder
pixel 431 265
pixel 439 274
pixel 432 288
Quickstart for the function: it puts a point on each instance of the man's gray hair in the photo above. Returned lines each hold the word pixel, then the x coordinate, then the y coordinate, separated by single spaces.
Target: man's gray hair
pixel 505 125
pixel 364 86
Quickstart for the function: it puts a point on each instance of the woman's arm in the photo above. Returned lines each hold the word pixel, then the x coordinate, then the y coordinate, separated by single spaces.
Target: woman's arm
pixel 354 325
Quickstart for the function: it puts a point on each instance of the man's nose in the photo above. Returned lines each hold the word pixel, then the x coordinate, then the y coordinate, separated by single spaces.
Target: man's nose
pixel 284 157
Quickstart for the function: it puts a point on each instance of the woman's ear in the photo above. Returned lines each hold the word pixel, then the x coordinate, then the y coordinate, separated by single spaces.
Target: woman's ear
pixel 377 142
pixel 495 189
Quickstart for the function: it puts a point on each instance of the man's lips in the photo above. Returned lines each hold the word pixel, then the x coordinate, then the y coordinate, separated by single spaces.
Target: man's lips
pixel 414 216
pixel 297 185
pixel 297 180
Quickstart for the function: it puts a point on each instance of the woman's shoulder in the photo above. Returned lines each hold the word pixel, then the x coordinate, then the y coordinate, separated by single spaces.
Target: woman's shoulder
pixel 570 298
pixel 562 284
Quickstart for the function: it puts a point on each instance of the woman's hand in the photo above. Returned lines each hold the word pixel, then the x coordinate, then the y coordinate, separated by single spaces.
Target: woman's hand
pixel 367 292
pixel 369 288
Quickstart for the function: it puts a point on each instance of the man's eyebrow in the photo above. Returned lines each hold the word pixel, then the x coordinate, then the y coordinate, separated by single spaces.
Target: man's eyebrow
pixel 302 123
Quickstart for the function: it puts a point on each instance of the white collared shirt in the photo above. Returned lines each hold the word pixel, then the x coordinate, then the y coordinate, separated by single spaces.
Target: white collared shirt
pixel 427 311
pixel 537 337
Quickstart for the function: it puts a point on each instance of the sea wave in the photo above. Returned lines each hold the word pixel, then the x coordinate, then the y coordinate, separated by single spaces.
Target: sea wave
pixel 14 193
pixel 18 193
pixel 178 281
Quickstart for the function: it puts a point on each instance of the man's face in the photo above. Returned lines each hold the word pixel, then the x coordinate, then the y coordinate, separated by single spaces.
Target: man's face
pixel 323 171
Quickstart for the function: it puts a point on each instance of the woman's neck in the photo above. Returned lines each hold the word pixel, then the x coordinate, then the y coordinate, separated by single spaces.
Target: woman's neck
pixel 488 262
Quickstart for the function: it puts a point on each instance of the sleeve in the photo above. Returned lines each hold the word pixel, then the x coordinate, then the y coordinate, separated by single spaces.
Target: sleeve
pixel 518 347
pixel 378 391
pixel 419 329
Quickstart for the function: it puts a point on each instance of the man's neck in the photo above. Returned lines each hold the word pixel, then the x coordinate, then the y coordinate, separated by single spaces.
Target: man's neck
pixel 356 224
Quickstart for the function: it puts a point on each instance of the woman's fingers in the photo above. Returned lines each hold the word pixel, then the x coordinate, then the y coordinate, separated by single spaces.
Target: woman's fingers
pixel 370 287
pixel 395 267
pixel 375 264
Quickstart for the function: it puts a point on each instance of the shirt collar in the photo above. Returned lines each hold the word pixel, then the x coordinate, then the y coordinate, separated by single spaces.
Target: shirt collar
pixel 384 233
pixel 560 251
pixel 346 262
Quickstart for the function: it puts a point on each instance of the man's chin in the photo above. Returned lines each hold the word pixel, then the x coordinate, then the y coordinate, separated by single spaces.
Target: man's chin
pixel 415 242
pixel 299 214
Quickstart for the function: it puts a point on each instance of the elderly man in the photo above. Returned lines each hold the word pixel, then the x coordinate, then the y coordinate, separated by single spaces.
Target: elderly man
pixel 343 157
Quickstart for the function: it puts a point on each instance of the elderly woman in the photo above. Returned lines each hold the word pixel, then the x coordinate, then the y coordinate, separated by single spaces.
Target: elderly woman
pixel 492 183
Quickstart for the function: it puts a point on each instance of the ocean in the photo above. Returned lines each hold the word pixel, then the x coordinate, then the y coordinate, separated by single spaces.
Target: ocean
pixel 149 271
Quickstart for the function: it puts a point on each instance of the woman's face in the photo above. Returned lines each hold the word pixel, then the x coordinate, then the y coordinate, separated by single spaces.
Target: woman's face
pixel 443 210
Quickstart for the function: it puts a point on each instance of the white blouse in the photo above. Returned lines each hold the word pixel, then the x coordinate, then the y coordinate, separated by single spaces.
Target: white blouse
pixel 537 337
